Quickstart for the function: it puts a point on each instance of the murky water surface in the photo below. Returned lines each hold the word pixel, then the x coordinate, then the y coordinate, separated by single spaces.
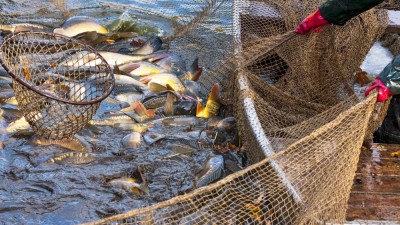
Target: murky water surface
pixel 34 190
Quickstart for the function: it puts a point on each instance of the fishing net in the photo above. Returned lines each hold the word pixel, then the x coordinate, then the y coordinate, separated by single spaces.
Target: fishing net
pixel 56 87
pixel 302 122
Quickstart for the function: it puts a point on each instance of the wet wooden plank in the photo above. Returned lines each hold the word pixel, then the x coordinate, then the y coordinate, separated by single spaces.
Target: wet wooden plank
pixel 375 194
pixel 368 183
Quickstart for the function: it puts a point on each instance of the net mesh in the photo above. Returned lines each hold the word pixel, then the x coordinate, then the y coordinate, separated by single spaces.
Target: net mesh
pixel 301 122
pixel 58 82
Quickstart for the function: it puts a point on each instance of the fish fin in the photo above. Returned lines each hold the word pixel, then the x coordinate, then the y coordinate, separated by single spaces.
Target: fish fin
pixel 150 46
pixel 145 80
pixel 169 105
pixel 127 68
pixel 156 56
pixel 199 109
pixel 169 88
pixel 139 108
pixel 155 87
pixel 197 74
pixel 151 137
pixel 59 31
pixel 195 66
pixel 151 113
pixel 214 93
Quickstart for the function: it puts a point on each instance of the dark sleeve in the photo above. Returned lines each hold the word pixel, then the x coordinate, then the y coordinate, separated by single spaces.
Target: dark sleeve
pixel 390 76
pixel 338 12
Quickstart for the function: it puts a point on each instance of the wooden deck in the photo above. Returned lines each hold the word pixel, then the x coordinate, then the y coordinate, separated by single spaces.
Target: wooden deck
pixel 375 194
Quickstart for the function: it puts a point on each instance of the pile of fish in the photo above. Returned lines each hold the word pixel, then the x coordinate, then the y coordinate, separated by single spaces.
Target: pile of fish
pixel 156 102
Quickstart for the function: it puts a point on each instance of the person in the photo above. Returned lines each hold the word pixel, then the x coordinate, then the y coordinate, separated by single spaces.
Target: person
pixel 387 83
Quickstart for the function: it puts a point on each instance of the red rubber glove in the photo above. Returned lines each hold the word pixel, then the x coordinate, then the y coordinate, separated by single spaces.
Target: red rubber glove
pixel 383 92
pixel 312 21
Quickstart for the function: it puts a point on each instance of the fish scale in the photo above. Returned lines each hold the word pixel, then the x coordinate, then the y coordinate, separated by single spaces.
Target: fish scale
pixel 214 167
pixel 74 158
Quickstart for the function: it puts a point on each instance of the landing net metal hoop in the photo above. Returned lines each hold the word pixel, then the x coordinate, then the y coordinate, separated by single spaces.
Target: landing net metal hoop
pixel 59 82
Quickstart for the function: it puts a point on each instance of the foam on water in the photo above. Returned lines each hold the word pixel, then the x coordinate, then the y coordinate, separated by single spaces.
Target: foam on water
pixel 376 60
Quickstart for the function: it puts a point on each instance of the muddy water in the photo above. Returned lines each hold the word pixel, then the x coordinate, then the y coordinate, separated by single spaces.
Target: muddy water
pixel 35 191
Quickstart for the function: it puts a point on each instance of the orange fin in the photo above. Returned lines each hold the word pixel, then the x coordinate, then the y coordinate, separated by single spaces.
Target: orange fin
pixel 197 75
pixel 214 93
pixel 139 109
pixel 199 109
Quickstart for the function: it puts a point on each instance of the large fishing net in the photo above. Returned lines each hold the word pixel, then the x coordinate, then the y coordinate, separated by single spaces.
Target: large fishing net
pixel 301 122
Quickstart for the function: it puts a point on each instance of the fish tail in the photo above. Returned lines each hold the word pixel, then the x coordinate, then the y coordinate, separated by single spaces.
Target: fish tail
pixel 141 110
pixel 214 93
pixel 195 66
pixel 169 105
pixel 155 43
pixel 127 68
pixel 197 74
pixel 199 109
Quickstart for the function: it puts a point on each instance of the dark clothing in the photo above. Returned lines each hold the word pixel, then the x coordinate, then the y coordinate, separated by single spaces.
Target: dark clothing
pixel 390 76
pixel 338 12
pixel 389 131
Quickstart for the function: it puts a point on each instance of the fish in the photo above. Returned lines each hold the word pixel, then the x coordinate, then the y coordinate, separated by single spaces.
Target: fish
pixel 23 133
pixel 152 137
pixel 194 72
pixel 172 63
pixel 77 91
pixel 74 143
pixel 141 68
pixel 11 101
pixel 6 94
pixel 112 119
pixel 177 121
pixel 139 112
pixel 79 24
pixel 181 148
pixel 73 158
pixel 113 58
pixel 129 184
pixel 192 89
pixel 163 81
pixel 212 171
pixel 227 124
pixel 212 105
pixel 185 107
pixel 10 113
pixel 169 104
pixel 18 27
pixel 150 46
pixel 173 121
pixel 20 124
pixel 126 23
pixel 94 129
pixel 157 100
pixel 93 38
pixel 132 140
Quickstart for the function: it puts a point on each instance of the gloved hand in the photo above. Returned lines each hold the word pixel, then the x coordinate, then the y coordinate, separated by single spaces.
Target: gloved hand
pixel 312 21
pixel 383 92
